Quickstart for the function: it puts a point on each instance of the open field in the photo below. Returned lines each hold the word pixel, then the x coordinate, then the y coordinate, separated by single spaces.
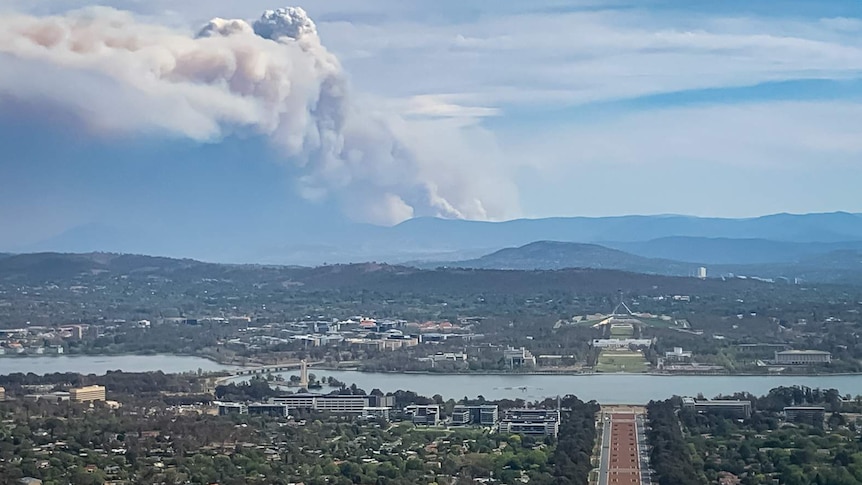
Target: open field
pixel 621 361
pixel 621 332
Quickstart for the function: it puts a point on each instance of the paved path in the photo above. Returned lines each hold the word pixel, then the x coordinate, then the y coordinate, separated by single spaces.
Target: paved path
pixel 605 456
pixel 623 452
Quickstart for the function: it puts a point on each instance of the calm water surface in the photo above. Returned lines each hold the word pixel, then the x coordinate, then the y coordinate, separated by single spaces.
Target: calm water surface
pixel 609 388
pixel 100 364
pixel 603 388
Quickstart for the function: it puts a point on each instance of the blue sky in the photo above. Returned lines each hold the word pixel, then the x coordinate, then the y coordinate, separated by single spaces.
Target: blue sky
pixel 522 109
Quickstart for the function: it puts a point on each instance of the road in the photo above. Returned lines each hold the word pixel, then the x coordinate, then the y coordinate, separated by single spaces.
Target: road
pixel 623 452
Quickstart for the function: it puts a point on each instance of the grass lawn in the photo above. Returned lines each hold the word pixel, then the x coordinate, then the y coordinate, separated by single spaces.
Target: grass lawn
pixel 621 361
pixel 622 333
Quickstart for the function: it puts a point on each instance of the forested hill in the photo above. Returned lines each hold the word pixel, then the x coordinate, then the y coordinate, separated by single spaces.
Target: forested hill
pixel 843 266
pixel 97 268
pixel 560 255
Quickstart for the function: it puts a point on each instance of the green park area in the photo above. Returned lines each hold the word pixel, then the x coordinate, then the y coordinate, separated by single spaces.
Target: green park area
pixel 621 361
pixel 621 331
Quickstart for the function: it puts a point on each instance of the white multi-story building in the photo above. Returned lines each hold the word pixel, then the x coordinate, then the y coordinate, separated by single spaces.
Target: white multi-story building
pixel 678 355
pixel 613 343
pixel 333 403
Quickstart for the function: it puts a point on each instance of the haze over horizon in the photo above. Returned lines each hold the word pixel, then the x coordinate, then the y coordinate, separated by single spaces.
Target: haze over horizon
pixel 148 118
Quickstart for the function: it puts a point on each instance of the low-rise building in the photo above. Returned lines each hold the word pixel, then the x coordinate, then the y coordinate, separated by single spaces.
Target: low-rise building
pixel 485 415
pixel 87 394
pixel 518 357
pixel 227 408
pixel 728 407
pixel 613 343
pixel 378 412
pixel 53 397
pixel 427 415
pixel 333 403
pixel 812 415
pixel 678 355
pixel 445 357
pixel 802 357
pixel 267 409
pixel 532 422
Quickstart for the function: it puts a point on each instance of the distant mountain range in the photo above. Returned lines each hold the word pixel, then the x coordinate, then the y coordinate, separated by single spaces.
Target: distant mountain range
pixel 116 272
pixel 775 238
pixel 839 266
pixel 731 251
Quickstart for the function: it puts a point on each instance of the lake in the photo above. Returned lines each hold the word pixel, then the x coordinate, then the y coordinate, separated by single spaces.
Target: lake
pixel 605 388
pixel 100 364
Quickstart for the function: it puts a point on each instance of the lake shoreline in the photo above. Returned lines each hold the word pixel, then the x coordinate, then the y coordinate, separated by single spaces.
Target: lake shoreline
pixel 579 374
pixel 234 363
pixel 606 388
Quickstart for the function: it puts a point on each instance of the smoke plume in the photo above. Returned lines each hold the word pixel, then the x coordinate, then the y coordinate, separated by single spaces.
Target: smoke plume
pixel 272 77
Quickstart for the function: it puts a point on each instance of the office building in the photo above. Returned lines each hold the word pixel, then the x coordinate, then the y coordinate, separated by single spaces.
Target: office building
pixel 727 407
pixel 461 416
pixel 427 415
pixel 381 401
pixel 227 408
pixel 53 397
pixel 802 357
pixel 701 273
pixel 678 355
pixel 377 412
pixel 333 403
pixel 812 415
pixel 485 415
pixel 267 409
pixel 518 357
pixel 87 394
pixel 532 422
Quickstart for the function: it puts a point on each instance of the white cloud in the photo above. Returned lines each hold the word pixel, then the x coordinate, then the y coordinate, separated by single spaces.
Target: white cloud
pixel 770 136
pixel 585 57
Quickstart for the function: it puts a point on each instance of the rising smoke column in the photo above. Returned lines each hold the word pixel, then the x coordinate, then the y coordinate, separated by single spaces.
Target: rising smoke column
pixel 273 77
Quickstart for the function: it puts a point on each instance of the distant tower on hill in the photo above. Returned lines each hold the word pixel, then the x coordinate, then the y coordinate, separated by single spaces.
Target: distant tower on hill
pixel 303 374
pixel 701 272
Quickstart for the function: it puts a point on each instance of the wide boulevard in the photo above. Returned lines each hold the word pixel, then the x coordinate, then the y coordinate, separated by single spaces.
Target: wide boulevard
pixel 624 458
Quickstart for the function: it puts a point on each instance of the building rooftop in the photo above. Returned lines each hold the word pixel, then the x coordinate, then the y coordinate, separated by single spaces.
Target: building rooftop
pixel 803 352
pixel 716 402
